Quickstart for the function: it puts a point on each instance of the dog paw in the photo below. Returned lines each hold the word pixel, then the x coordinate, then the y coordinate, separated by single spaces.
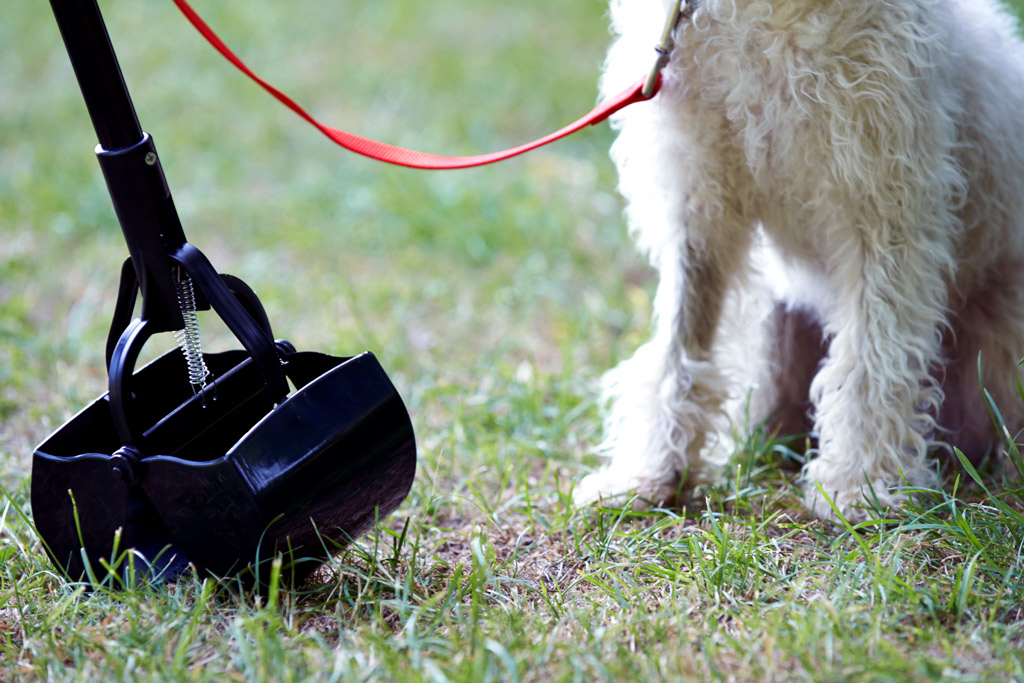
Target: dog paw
pixel 854 504
pixel 873 496
pixel 613 486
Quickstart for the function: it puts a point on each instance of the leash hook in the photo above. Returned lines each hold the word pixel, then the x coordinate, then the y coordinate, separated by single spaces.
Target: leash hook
pixel 664 48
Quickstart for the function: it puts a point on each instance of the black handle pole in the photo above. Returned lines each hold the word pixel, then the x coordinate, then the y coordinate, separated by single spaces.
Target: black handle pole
pixel 92 57
pixel 149 222
pixel 128 159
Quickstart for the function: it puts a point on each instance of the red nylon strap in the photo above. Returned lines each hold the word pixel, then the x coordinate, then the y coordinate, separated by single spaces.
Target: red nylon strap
pixel 407 157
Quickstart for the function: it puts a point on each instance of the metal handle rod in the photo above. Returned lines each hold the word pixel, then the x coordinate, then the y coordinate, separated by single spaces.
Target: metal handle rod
pixel 128 159
pixel 151 228
pixel 99 76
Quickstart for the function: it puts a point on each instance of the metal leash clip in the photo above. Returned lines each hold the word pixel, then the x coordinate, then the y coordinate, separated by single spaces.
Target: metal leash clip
pixel 664 48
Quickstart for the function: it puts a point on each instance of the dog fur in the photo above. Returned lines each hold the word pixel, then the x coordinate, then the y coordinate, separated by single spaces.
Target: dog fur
pixel 832 193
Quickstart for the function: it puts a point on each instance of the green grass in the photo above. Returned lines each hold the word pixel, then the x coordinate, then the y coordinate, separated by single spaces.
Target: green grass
pixel 477 290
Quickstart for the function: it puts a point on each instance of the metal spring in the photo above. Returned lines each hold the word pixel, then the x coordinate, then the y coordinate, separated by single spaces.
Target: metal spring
pixel 188 338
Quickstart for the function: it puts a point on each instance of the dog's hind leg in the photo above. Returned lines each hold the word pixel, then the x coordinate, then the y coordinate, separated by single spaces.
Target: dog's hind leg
pixel 989 322
pixel 793 350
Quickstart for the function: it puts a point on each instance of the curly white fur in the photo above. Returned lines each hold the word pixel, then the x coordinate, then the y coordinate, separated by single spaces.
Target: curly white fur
pixel 848 177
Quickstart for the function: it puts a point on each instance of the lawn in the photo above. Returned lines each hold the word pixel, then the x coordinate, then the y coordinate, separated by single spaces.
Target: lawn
pixel 494 298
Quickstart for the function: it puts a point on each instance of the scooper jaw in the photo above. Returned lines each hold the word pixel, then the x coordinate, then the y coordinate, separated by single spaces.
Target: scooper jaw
pixel 204 459
pixel 229 484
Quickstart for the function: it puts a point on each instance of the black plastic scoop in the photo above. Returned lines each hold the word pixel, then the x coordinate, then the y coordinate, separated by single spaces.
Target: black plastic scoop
pixel 208 459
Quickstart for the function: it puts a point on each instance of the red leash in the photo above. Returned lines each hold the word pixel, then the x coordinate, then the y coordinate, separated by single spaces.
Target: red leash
pixel 407 157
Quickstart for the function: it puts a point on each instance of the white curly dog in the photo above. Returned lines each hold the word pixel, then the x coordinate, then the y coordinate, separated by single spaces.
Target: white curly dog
pixel 832 193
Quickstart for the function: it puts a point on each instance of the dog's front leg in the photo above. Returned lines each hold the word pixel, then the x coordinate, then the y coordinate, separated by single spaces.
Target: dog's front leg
pixel 876 396
pixel 667 399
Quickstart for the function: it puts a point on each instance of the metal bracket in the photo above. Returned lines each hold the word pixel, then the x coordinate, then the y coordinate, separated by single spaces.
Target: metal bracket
pixel 664 48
